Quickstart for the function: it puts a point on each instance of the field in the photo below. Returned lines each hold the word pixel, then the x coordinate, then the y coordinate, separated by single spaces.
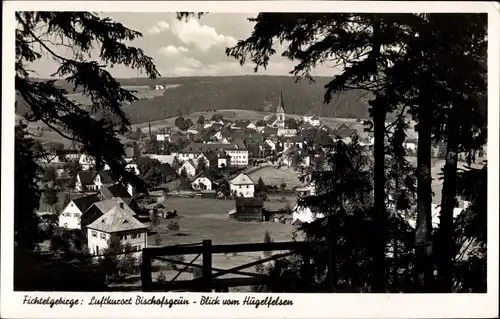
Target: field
pixel 275 176
pixel 201 219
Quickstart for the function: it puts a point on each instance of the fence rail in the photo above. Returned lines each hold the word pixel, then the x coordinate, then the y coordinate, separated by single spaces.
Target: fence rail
pixel 209 280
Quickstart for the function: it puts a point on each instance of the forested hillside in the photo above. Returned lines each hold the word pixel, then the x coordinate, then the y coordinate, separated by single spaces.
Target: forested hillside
pixel 258 93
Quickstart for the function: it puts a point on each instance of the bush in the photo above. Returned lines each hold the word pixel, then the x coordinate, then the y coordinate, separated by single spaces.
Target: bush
pixel 173 226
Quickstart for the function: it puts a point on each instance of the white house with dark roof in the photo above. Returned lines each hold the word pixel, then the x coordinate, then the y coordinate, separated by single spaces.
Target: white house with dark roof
pixel 236 150
pixel 201 182
pixel 120 223
pixel 189 166
pixel 92 180
pixel 70 217
pixel 86 161
pixel 100 208
pixel 242 186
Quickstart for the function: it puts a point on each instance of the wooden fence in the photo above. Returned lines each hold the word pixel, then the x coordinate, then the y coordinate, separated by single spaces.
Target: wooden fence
pixel 209 280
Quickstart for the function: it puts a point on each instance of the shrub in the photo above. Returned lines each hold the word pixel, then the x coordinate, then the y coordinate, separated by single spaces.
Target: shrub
pixel 173 226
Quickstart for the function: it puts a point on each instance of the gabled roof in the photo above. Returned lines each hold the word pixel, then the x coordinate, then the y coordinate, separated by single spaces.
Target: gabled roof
pixel 83 203
pixel 270 130
pixel 190 162
pixel 201 175
pixel 242 179
pixel 106 205
pixel 116 220
pixel 87 177
pixel 271 119
pixel 249 202
pixel 116 190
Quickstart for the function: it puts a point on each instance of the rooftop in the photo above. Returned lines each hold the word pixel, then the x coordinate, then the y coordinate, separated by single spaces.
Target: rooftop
pixel 117 220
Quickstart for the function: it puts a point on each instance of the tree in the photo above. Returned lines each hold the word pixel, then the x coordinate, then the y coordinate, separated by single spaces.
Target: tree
pixel 267 240
pixel 291 123
pixel 48 103
pixel 155 218
pixel 282 186
pixel 158 240
pixel 50 196
pixel 260 123
pixel 261 186
pixel 26 191
pixel 50 175
pixel 201 120
pixel 202 165
pixel 188 123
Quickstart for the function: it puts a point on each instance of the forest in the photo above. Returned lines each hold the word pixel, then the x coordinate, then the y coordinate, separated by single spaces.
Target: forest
pixel 252 92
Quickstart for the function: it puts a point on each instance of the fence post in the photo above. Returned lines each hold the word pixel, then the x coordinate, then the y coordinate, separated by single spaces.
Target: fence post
pixel 207 265
pixel 306 269
pixel 146 271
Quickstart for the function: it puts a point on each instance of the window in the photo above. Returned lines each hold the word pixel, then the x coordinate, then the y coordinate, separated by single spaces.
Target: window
pixel 71 205
pixel 248 186
pixel 103 236
pixel 65 225
pixel 76 215
pixel 134 236
pixel 124 237
pixel 94 233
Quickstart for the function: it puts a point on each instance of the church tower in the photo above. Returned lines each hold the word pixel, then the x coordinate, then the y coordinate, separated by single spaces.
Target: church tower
pixel 280 113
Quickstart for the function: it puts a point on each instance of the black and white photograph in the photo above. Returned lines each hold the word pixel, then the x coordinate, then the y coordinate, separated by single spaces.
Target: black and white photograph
pixel 258 152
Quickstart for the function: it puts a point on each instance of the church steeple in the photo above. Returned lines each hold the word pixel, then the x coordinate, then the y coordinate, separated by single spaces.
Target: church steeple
pixel 280 112
pixel 280 108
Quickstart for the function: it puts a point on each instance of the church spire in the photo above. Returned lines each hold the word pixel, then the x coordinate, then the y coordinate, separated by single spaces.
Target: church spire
pixel 280 108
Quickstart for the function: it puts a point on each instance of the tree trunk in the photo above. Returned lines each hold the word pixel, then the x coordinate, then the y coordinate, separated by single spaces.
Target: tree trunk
pixel 379 116
pixel 423 245
pixel 446 250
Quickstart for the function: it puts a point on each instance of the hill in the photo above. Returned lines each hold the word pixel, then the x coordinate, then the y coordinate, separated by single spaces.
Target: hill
pixel 187 95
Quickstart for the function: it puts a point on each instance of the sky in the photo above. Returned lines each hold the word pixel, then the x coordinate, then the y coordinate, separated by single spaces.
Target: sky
pixel 188 48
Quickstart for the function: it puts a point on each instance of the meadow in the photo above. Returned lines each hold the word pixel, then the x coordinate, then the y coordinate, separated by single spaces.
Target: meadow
pixel 275 176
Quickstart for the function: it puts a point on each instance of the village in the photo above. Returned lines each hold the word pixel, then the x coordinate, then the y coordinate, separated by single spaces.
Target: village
pixel 211 179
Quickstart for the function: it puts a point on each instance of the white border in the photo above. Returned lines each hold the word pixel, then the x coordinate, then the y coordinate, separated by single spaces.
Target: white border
pixel 305 305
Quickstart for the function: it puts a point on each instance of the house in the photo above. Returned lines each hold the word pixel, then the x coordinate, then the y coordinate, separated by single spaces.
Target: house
pixel 189 167
pixel 132 167
pixel 242 186
pixel 116 190
pixel 218 159
pixel 159 87
pixel 201 182
pixel 195 128
pixel 286 132
pixel 251 126
pixel 100 208
pixel 293 141
pixel 169 159
pixel 305 214
pixel 270 131
pixel 411 144
pixel 305 191
pixel 70 217
pixel 86 161
pixel 117 223
pixel 288 158
pixel 314 121
pixel 92 180
pixel 236 150
pixel 272 144
pixel 248 209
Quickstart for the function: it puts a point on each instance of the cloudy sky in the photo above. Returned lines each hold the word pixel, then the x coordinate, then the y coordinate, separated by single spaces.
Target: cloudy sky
pixel 189 48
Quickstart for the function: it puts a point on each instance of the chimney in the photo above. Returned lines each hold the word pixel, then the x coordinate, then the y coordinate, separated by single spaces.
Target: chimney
pixel 121 205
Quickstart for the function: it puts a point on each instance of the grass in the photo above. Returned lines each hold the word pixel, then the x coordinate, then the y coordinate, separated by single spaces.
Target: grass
pixel 275 176
pixel 201 219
